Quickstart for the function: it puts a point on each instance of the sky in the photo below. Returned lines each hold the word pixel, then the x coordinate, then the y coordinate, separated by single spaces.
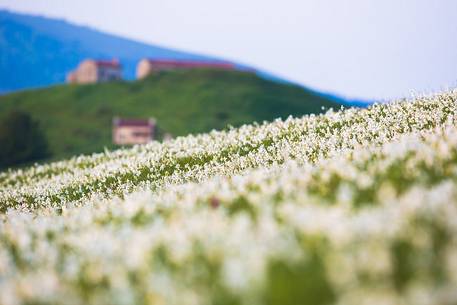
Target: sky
pixel 368 49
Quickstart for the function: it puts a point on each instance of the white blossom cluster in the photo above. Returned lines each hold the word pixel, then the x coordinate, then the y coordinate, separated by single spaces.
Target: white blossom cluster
pixel 357 206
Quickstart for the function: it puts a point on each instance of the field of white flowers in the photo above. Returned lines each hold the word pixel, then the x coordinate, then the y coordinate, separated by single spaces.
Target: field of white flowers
pixel 357 206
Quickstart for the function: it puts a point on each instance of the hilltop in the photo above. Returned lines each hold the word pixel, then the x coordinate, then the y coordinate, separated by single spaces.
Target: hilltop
pixel 39 51
pixel 43 50
pixel 77 118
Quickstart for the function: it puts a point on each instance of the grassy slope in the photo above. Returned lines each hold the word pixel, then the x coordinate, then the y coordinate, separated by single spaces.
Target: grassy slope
pixel 77 118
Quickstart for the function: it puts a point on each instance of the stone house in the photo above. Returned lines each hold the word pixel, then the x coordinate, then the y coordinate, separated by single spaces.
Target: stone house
pixel 133 131
pixel 95 71
pixel 148 66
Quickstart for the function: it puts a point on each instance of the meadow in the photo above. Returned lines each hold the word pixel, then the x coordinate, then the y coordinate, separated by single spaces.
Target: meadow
pixel 354 206
pixel 77 119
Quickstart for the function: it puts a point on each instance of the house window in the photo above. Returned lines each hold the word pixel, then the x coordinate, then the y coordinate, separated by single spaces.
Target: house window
pixel 139 134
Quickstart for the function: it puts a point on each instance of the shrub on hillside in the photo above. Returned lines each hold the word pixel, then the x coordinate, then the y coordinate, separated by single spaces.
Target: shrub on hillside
pixel 21 140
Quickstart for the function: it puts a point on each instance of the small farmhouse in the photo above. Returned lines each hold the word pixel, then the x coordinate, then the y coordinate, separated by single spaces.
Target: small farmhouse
pixel 133 131
pixel 148 66
pixel 96 71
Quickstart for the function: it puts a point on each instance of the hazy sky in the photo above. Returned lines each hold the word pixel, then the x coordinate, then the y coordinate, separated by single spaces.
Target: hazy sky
pixel 356 48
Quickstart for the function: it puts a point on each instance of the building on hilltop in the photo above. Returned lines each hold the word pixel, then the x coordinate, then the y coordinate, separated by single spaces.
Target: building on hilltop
pixel 133 131
pixel 148 66
pixel 96 71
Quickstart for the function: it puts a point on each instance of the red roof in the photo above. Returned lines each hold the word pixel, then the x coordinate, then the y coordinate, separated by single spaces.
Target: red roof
pixel 108 63
pixel 133 122
pixel 170 63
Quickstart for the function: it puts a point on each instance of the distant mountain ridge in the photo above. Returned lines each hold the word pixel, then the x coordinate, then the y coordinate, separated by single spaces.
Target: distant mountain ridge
pixel 39 51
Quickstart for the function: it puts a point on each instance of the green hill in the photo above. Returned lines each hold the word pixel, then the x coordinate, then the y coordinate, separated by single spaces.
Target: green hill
pixel 77 118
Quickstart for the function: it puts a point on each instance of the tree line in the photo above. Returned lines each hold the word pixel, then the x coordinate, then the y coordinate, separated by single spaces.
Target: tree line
pixel 21 140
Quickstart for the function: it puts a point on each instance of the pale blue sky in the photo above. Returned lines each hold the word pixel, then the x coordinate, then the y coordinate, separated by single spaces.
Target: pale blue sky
pixel 356 48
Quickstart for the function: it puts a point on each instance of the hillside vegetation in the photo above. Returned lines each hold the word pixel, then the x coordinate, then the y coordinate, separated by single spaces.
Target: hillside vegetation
pixel 350 207
pixel 77 119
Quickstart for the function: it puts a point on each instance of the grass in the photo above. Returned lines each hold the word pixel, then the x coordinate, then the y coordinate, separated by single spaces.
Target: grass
pixel 77 118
